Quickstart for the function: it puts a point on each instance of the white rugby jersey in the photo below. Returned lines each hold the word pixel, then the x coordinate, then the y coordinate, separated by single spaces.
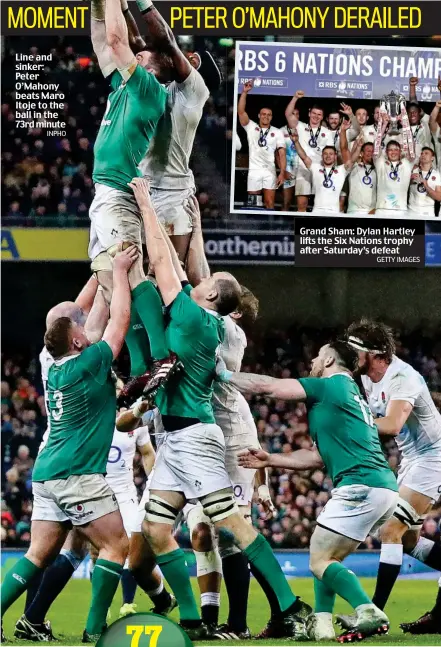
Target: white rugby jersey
pixel 327 198
pixel 362 188
pixel 225 396
pixel 420 203
pixel 320 136
pixel 436 141
pixel 392 194
pixel 46 361
pixel 120 460
pixel 421 137
pixel 167 161
pixel 421 435
pixel 262 158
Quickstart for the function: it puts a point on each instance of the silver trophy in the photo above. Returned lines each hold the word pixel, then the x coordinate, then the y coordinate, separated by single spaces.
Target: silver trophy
pixel 393 103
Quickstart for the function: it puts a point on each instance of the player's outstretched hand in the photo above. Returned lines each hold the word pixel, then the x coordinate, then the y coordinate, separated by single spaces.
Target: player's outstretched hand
pixel 413 80
pixel 299 94
pixel 253 458
pixel 346 109
pixel 124 260
pixel 191 207
pixel 345 124
pixel 248 85
pixel 264 498
pixel 141 190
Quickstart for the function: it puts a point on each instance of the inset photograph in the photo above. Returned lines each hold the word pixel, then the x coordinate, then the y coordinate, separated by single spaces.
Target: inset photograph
pixel 337 129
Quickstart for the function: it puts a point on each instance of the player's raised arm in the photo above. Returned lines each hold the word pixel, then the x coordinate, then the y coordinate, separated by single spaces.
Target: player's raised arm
pixel 98 317
pixel 138 414
pixel 162 39
pixel 197 264
pixel 241 106
pixel 302 459
pixel 290 108
pixel 158 251
pixel 300 150
pixel 354 126
pixel 433 121
pixel 118 325
pixel 413 82
pixel 344 148
pixel 99 38
pixel 86 297
pixel 136 41
pixel 384 121
pixel 117 36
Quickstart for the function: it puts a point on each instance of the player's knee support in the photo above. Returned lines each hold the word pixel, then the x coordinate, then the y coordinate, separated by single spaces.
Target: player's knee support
pixel 208 562
pixel 407 514
pixel 102 263
pixel 219 505
pixel 160 511
pixel 197 517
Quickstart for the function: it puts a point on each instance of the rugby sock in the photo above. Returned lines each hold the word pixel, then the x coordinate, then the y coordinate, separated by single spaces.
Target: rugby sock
pixel 55 578
pixel 428 552
pixel 149 306
pixel 160 597
pixel 262 558
pixel 128 585
pixel 32 590
pixel 175 571
pixel 344 583
pixel 324 597
pixel 391 558
pixel 436 611
pixel 210 603
pixel 270 595
pixel 105 580
pixel 138 344
pixel 237 582
pixel 17 580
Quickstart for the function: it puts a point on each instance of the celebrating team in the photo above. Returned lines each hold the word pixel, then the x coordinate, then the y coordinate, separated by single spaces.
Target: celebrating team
pixel 342 163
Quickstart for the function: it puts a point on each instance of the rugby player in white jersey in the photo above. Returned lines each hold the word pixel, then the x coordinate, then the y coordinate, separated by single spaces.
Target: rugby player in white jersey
pixel 88 309
pixel 263 142
pixel 292 164
pixel 328 176
pixel 313 137
pixel 393 177
pixel 425 186
pixel 370 130
pixel 362 178
pixel 435 129
pixel 335 120
pixel 166 164
pixel 400 400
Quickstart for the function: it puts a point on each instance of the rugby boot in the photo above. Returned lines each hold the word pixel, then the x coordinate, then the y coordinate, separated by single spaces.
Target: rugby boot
pixel 371 621
pixel 320 627
pixel 166 610
pixel 426 624
pixel 133 389
pixel 289 624
pixel 25 630
pixel 225 632
pixel 162 371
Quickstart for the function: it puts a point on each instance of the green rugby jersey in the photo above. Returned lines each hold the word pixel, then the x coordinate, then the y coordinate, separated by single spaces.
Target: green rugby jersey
pixel 342 427
pixel 82 407
pixel 128 125
pixel 194 334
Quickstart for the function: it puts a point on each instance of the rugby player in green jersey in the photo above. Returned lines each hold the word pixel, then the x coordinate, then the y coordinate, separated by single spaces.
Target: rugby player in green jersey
pixel 69 471
pixel 191 460
pixel 135 105
pixel 365 489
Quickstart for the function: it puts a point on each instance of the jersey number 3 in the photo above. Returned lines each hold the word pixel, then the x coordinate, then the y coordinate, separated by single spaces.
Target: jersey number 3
pixel 58 412
pixel 367 414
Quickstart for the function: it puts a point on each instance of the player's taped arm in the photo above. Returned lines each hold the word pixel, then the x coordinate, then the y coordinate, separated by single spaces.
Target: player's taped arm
pixel 162 38
pixel 118 325
pixel 197 264
pixel 397 413
pixel 86 297
pixel 148 456
pixel 281 389
pixel 117 37
pixel 130 419
pixel 157 247
pixel 98 317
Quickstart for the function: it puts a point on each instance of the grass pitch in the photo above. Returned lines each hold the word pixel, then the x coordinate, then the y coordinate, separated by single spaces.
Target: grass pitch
pixel 409 600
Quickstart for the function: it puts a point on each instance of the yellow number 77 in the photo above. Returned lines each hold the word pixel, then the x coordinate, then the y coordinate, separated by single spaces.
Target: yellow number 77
pixel 138 630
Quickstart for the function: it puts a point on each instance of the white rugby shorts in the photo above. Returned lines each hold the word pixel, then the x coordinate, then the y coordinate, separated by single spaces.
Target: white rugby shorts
pixel 263 179
pixel 355 511
pixel 169 206
pixel 422 475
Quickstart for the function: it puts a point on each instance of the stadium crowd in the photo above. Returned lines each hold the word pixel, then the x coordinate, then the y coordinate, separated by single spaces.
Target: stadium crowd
pixel 47 181
pixel 282 426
